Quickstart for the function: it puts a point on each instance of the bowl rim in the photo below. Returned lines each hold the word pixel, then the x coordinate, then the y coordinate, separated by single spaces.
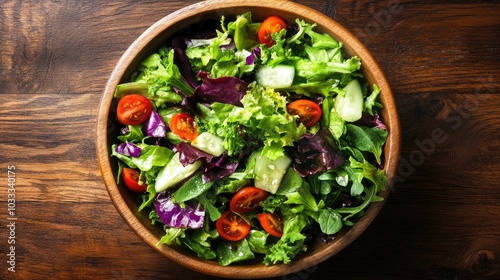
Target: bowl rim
pixel 391 149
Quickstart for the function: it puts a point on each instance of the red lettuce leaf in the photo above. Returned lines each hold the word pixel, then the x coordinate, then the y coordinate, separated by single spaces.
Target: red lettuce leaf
pixel 316 153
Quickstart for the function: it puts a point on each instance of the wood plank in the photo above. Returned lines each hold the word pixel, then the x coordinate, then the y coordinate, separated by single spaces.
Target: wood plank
pixel 440 222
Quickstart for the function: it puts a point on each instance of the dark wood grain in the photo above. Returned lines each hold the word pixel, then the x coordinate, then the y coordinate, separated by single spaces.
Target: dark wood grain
pixel 441 221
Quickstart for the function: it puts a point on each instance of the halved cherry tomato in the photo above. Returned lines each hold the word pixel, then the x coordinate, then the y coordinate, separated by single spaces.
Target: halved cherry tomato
pixel 131 178
pixel 247 199
pixel 308 111
pixel 183 126
pixel 272 223
pixel 133 109
pixel 232 227
pixel 272 24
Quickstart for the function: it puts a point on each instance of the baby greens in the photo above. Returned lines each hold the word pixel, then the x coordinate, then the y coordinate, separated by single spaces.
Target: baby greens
pixel 320 178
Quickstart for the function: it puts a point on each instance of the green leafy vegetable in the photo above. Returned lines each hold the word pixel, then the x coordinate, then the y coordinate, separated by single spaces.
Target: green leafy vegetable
pixel 330 221
pixel 367 139
pixel 292 241
pixel 160 71
pixel 258 137
pixel 230 252
pixel 191 189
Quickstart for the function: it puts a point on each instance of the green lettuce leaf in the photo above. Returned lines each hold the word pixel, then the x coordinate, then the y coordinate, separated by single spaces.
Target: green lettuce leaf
pixel 263 117
pixel 292 241
pixel 160 71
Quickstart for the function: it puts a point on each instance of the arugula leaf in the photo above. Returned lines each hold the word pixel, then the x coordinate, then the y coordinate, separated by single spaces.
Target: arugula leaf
pixel 369 197
pixel 171 235
pixel 371 101
pixel 356 177
pixel 367 139
pixel 148 197
pixel 303 197
pixel 370 172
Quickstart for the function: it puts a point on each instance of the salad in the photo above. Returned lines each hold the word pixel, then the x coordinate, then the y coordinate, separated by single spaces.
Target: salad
pixel 250 139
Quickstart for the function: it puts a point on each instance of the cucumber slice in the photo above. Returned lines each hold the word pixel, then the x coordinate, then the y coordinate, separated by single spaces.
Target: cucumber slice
pixel 173 173
pixel 350 106
pixel 209 143
pixel 279 76
pixel 269 173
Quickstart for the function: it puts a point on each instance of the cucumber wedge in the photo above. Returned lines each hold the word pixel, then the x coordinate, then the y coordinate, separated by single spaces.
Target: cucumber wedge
pixel 350 106
pixel 269 173
pixel 173 173
pixel 279 76
pixel 209 143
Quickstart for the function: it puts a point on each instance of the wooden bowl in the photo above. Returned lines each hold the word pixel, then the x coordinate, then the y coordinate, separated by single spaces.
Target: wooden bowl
pixel 150 41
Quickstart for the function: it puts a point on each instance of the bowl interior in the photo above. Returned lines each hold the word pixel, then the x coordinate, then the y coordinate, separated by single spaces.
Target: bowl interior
pixel 156 36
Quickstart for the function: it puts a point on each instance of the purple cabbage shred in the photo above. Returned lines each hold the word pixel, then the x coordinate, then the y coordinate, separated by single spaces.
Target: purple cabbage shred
pixel 213 168
pixel 251 58
pixel 190 215
pixel 128 149
pixel 155 126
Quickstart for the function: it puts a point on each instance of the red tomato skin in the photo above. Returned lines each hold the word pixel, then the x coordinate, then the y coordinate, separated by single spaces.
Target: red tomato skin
pixel 130 178
pixel 247 199
pixel 133 109
pixel 308 111
pixel 183 125
pixel 272 223
pixel 272 24
pixel 232 227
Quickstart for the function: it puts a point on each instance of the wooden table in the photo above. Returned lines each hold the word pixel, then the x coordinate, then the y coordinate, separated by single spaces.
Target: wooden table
pixel 442 221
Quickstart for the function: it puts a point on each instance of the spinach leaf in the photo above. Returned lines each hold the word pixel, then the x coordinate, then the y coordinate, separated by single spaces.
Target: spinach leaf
pixel 202 251
pixel 330 221
pixel 257 240
pixel 367 139
pixel 230 252
pixel 192 188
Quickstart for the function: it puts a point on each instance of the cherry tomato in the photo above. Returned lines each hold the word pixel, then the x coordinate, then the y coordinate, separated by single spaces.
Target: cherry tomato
pixel 232 227
pixel 272 223
pixel 183 126
pixel 133 109
pixel 272 24
pixel 131 178
pixel 247 199
pixel 308 111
